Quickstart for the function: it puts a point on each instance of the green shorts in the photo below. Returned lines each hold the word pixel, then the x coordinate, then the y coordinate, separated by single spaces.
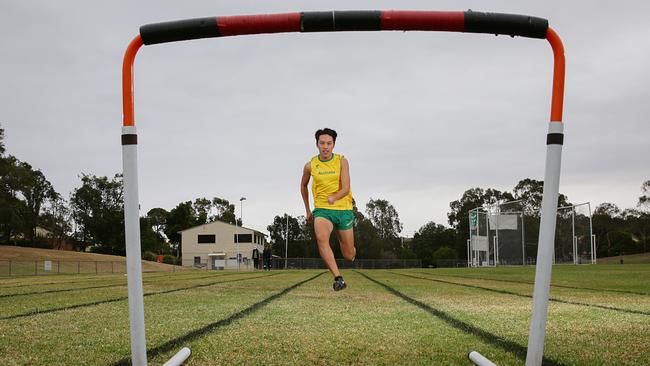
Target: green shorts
pixel 341 219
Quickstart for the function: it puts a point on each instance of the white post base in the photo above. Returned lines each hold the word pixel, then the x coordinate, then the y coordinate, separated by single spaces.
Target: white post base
pixel 479 359
pixel 179 357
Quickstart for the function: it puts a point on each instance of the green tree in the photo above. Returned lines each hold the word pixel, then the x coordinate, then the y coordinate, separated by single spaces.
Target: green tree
pixel 224 211
pixel 150 240
pixel 36 190
pixel 12 208
pixel 366 236
pixel 202 209
pixel 158 219
pixel 57 218
pixel 459 215
pixel 2 142
pixel 623 243
pixel 188 214
pixel 300 243
pixel 429 238
pixel 385 219
pixel 640 230
pixel 180 218
pixel 530 191
pixel 10 205
pixel 98 209
pixel 307 238
pixel 606 219
pixel 217 209
pixel 637 225
pixel 23 193
pixel 443 254
pixel 644 200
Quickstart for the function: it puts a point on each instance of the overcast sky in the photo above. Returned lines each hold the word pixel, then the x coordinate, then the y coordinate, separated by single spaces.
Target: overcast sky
pixel 421 116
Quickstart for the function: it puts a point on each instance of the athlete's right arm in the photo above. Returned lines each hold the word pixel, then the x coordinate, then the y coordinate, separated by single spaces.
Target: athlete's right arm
pixel 304 182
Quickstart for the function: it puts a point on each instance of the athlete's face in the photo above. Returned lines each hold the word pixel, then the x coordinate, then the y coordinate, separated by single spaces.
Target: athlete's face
pixel 325 146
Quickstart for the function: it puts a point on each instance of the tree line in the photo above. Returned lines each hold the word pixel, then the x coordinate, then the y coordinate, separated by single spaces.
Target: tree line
pixel 378 231
pixel 93 216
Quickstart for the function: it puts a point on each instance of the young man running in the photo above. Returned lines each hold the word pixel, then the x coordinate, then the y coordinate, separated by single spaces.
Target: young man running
pixel 332 202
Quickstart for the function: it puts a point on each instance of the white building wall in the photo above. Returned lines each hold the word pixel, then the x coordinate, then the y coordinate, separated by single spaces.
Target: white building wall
pixel 224 244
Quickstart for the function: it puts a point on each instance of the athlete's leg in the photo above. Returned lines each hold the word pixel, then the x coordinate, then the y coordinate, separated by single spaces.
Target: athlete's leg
pixel 323 229
pixel 346 240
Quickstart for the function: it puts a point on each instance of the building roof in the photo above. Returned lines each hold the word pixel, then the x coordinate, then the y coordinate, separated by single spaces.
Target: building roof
pixel 225 223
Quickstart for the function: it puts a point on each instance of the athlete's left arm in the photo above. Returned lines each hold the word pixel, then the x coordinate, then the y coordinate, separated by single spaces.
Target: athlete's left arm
pixel 345 182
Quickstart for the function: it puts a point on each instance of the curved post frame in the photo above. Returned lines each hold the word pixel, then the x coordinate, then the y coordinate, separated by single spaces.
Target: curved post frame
pixel 332 21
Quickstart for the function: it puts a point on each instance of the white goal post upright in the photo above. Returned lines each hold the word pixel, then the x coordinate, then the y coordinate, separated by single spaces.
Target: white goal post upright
pixel 132 236
pixel 545 247
pixel 592 237
pixel 574 222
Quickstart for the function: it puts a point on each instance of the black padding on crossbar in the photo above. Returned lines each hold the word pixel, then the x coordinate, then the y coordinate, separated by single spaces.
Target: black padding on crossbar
pixel 555 139
pixel 509 24
pixel 179 30
pixel 333 21
pixel 130 139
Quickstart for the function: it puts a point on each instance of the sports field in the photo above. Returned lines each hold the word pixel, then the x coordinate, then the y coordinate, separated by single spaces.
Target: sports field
pixel 598 315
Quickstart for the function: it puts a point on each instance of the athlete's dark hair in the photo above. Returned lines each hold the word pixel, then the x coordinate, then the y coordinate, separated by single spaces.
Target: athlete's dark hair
pixel 326 131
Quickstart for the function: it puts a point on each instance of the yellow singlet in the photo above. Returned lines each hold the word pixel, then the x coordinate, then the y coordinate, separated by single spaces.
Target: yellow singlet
pixel 327 181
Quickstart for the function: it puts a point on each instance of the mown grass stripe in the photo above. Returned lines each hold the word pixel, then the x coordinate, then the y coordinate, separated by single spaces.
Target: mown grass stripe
pixel 514 348
pixel 38 312
pixel 112 285
pixel 197 333
pixel 91 278
pixel 630 311
pixel 532 283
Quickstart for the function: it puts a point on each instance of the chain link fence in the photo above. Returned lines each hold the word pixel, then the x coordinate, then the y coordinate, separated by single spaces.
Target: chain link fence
pixel 53 267
pixel 318 263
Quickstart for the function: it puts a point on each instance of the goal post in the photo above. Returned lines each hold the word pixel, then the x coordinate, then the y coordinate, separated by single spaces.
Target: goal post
pixel 574 240
pixel 336 21
pixel 497 235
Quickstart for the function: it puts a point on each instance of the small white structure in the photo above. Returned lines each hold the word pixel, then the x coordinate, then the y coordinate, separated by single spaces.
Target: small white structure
pixel 219 245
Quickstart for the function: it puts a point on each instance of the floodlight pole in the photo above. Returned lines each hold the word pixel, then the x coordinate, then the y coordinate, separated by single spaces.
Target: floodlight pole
pixel 286 243
pixel 241 218
pixel 592 240
pixel 335 21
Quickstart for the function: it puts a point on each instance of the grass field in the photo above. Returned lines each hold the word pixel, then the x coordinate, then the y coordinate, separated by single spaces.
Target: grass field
pixel 599 315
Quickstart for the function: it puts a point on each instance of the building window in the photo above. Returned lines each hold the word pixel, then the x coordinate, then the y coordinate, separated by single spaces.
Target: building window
pixel 207 239
pixel 197 260
pixel 243 238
